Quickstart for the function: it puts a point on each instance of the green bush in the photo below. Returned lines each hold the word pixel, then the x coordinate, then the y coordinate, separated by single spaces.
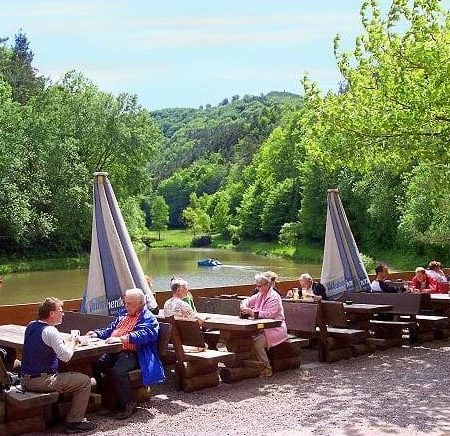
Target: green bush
pixel 201 241
pixel 235 240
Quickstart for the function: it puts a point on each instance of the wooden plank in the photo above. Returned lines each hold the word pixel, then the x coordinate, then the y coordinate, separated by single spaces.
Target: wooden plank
pixel 30 400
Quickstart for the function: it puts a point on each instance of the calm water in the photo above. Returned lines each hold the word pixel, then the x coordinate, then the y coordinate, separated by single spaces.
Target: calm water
pixel 161 264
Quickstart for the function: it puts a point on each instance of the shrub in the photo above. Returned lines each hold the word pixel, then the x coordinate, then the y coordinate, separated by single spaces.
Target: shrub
pixel 235 240
pixel 201 241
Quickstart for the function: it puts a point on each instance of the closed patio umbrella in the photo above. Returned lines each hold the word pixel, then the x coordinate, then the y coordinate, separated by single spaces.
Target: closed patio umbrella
pixel 342 268
pixel 114 266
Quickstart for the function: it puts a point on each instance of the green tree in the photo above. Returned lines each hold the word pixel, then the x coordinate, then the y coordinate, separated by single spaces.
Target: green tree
pixel 220 217
pixel 160 215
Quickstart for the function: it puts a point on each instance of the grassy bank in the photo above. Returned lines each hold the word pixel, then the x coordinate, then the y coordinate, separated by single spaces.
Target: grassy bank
pixel 301 253
pixel 171 239
pixel 8 266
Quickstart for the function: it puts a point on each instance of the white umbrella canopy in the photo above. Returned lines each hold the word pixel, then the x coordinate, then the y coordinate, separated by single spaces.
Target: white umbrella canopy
pixel 342 268
pixel 114 266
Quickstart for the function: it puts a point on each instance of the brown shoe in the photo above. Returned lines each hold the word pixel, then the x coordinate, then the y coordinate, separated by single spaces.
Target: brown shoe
pixel 129 410
pixel 266 372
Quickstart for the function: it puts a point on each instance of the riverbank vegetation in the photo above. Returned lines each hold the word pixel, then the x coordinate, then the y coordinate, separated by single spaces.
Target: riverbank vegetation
pixel 254 169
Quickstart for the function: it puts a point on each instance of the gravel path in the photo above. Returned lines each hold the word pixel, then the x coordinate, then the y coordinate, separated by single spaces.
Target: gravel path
pixel 398 391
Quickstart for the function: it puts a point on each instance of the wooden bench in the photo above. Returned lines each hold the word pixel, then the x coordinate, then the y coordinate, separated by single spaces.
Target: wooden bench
pixel 196 367
pixel 406 308
pixel 338 339
pixel 224 306
pixel 25 411
pixel 300 321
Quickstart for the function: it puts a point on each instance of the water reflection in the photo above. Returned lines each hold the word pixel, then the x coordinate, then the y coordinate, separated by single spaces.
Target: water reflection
pixel 161 264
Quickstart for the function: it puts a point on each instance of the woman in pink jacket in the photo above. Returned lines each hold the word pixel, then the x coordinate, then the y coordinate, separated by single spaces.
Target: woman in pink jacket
pixel 265 304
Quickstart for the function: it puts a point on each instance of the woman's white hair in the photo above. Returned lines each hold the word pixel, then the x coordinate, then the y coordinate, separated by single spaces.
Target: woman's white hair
pixel 136 292
pixel 305 276
pixel 263 278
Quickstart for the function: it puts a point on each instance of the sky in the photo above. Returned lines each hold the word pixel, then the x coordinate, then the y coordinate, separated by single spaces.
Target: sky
pixel 186 53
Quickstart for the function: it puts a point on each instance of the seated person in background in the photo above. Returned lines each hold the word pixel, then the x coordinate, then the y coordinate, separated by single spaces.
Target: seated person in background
pixel 43 348
pixel 265 304
pixel 274 277
pixel 421 282
pixel 177 305
pixel 310 288
pixel 137 329
pixel 188 298
pixel 435 272
pixel 379 284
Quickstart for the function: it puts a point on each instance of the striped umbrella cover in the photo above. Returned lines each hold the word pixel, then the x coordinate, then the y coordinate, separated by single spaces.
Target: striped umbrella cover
pixel 342 268
pixel 114 266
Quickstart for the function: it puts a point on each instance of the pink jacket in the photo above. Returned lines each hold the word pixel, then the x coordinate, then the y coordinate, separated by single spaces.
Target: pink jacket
pixel 269 307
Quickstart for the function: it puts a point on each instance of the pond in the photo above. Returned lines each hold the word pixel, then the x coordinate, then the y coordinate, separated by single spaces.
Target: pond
pixel 161 264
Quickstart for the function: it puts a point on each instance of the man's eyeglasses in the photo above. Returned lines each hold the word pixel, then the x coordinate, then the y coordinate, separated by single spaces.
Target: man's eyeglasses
pixel 260 285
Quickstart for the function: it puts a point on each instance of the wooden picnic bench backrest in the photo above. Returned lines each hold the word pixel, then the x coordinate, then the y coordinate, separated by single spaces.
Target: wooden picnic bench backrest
pixel 165 331
pixel 224 306
pixel 184 332
pixel 83 322
pixel 333 314
pixel 300 317
pixel 404 303
pixel 190 332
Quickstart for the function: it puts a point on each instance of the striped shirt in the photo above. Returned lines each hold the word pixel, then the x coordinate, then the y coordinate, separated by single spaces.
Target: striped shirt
pixel 125 326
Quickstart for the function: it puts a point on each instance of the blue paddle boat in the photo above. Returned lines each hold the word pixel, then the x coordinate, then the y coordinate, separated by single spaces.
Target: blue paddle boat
pixel 209 262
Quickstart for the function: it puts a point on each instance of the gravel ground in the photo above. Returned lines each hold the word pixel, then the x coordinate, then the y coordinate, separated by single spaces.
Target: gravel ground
pixel 397 391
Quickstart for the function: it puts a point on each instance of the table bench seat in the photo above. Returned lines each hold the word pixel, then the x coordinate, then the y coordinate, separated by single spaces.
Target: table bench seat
pixel 30 400
pixel 209 356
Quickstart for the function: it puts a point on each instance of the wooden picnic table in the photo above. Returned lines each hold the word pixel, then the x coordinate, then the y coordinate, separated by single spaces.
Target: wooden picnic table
pixel 12 336
pixel 237 335
pixel 360 314
pixel 300 300
pixel 233 323
pixel 367 308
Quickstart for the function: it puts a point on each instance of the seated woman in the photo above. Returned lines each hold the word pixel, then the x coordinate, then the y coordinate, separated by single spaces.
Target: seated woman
pixel 435 272
pixel 265 304
pixel 422 283
pixel 310 288
pixel 274 277
pixel 177 306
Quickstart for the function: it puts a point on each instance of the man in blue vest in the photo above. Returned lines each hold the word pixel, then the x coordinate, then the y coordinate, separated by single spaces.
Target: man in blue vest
pixel 42 348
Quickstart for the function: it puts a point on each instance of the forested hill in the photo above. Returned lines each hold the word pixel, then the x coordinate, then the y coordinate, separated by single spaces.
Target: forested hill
pixel 201 146
pixel 234 129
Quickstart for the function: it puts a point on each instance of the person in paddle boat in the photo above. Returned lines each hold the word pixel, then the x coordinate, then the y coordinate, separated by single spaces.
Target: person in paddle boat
pixel 265 304
pixel 43 348
pixel 180 304
pixel 137 329
pixel 422 283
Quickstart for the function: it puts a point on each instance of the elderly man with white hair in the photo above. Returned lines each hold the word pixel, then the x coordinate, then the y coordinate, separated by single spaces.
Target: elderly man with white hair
pixel 265 304
pixel 137 329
